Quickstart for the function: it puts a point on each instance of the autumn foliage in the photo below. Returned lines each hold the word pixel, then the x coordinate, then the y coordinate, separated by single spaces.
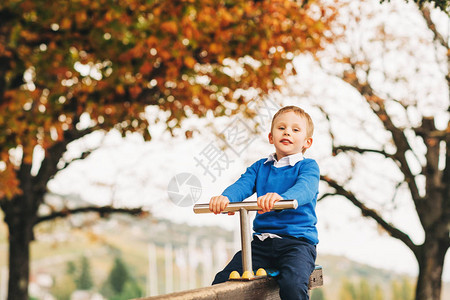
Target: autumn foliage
pixel 111 59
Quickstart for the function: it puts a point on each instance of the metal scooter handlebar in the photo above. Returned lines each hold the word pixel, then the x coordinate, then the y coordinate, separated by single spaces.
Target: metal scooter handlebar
pixel 247 205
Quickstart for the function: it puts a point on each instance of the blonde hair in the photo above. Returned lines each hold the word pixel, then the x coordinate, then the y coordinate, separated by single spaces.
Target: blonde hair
pixel 300 112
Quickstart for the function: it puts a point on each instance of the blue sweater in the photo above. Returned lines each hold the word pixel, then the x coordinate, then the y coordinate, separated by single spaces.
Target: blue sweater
pixel 300 182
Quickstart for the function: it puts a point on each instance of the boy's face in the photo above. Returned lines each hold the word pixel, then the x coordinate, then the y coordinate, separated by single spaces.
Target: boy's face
pixel 289 134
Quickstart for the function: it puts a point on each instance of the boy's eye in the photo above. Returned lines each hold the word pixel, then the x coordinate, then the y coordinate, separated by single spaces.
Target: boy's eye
pixel 281 127
pixel 296 129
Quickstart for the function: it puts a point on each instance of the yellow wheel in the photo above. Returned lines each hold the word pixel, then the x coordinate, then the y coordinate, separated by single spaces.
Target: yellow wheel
pixel 248 275
pixel 234 275
pixel 261 272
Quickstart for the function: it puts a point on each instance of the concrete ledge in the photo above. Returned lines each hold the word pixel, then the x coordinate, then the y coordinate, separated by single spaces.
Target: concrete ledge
pixel 316 278
pixel 261 289
pixel 266 288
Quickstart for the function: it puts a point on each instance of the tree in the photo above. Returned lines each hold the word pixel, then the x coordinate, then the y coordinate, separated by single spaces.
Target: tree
pixel 118 277
pixel 120 284
pixel 131 290
pixel 378 293
pixel 317 294
pixel 69 68
pixel 402 290
pixel 365 291
pixel 63 287
pixel 347 291
pixel 84 280
pixel 71 268
pixel 442 4
pixel 399 147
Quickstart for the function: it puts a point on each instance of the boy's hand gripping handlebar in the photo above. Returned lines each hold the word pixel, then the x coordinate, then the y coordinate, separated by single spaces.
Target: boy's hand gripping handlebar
pixel 243 208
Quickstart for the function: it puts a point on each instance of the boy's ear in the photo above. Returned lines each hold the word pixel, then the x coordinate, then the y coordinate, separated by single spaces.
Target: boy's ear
pixel 308 143
pixel 270 138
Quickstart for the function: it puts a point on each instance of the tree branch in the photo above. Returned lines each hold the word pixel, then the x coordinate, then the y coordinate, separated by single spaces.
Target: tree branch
pixel 49 165
pixel 373 214
pixel 83 155
pixel 324 196
pixel 102 210
pixel 400 141
pixel 437 36
pixel 327 116
pixel 338 149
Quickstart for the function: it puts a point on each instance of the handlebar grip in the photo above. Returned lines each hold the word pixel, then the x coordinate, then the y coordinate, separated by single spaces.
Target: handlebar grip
pixel 247 205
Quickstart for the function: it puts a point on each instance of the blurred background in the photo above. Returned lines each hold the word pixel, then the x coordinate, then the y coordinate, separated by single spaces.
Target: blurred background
pixel 116 117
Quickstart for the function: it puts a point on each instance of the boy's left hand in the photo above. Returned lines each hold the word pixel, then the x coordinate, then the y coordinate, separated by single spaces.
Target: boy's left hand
pixel 267 201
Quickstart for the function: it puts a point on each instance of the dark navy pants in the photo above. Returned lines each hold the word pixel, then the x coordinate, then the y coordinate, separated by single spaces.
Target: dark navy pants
pixel 295 259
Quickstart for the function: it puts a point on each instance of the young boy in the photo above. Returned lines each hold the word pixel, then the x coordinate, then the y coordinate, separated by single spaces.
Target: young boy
pixel 284 240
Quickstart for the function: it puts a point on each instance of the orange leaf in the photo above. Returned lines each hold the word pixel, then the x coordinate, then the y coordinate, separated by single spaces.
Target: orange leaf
pixel 66 23
pixel 170 27
pixel 146 68
pixel 215 48
pixel 189 62
pixel 135 91
pixel 120 90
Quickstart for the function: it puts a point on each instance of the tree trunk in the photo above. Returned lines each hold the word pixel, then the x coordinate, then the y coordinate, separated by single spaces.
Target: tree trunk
pixel 431 260
pixel 20 216
pixel 20 237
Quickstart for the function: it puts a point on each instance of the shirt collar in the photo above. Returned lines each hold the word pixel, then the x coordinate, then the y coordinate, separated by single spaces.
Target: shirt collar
pixel 291 159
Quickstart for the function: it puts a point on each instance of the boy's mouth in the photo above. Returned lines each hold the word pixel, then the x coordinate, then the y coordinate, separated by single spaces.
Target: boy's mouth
pixel 285 141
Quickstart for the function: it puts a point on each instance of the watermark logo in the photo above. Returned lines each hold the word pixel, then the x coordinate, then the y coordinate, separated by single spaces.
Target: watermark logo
pixel 237 137
pixel 213 161
pixel 184 189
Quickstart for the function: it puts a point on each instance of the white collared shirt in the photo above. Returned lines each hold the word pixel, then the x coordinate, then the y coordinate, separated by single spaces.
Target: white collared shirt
pixel 285 161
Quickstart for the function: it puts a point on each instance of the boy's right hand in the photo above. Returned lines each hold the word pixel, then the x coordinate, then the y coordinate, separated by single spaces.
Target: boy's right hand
pixel 218 203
